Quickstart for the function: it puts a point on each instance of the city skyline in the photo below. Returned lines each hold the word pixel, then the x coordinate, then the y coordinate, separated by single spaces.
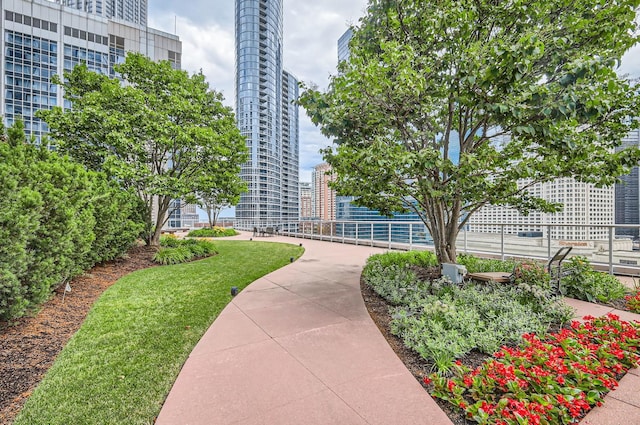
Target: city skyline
pixel 311 32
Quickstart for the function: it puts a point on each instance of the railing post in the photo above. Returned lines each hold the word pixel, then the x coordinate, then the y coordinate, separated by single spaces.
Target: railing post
pixel 371 234
pixel 548 243
pixel 502 242
pixel 410 236
pixel 356 233
pixel 389 235
pixel 610 250
pixel 465 238
pixel 331 235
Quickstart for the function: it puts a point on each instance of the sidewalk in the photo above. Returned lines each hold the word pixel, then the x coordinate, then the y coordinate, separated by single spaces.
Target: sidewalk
pixel 298 347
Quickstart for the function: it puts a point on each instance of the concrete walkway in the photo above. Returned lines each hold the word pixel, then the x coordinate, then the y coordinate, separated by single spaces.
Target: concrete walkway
pixel 298 347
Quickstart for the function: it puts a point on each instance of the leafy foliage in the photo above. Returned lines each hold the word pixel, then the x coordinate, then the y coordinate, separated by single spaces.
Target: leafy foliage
pixel 443 321
pixel 214 232
pixel 584 283
pixel 483 265
pixel 162 133
pixel 445 107
pixel 176 251
pixel 56 220
pixel 553 380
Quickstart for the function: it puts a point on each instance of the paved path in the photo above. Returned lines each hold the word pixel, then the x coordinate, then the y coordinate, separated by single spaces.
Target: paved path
pixel 298 347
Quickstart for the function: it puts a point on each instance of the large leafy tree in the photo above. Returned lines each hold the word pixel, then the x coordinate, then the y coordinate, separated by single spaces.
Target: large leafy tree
pixel 157 130
pixel 446 106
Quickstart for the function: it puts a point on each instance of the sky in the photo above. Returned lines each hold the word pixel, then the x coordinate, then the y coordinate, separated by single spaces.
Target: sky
pixel 311 32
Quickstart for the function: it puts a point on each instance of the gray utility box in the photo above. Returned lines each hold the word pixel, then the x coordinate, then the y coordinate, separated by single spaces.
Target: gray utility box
pixel 455 272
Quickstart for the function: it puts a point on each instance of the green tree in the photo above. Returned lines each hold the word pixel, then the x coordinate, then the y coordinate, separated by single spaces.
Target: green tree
pixel 159 131
pixel 219 193
pixel 525 91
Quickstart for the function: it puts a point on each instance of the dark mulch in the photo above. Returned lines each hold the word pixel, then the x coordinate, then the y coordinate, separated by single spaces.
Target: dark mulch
pixel 29 346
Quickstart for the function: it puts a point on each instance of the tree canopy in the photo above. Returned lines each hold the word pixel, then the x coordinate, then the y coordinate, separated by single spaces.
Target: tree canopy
pixel 447 106
pixel 158 130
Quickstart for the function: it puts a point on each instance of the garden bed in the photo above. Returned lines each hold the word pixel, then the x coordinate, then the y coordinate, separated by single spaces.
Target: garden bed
pixel 29 347
pixel 426 317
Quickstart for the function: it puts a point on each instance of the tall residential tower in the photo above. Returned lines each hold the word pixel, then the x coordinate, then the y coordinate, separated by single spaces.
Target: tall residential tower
pixel 132 11
pixel 266 116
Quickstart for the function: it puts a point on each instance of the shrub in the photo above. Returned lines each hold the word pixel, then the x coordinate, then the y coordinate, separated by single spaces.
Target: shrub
pixel 169 241
pixel 484 265
pixel 166 256
pixel 176 251
pixel 214 232
pixel 416 258
pixel 50 211
pixel 584 283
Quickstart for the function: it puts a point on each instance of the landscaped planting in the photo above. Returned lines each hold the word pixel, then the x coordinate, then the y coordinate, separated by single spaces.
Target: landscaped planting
pixel 584 283
pixel 119 367
pixel 176 251
pixel 214 232
pixel 443 321
pixel 548 380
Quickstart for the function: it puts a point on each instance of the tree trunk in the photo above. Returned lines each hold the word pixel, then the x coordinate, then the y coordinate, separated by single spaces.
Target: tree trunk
pixel 163 208
pixel 444 230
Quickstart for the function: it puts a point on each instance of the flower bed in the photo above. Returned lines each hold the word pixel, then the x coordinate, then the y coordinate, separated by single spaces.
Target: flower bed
pixel 554 380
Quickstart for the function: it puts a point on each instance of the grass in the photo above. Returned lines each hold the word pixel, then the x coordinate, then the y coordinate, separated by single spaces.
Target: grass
pixel 121 364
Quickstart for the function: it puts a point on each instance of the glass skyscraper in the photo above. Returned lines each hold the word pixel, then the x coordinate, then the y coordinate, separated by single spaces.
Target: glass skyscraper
pixel 266 116
pixel 628 191
pixel 133 11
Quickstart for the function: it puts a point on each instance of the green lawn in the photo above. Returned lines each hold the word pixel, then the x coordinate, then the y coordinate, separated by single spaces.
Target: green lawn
pixel 121 364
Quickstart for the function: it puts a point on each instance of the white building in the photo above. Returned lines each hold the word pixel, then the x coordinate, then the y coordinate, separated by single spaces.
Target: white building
pixel 584 205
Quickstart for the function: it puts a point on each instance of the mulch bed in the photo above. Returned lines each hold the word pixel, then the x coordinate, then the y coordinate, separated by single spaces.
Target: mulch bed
pixel 29 346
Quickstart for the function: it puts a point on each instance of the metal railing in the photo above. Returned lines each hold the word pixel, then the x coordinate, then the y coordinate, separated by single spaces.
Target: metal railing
pixel 604 245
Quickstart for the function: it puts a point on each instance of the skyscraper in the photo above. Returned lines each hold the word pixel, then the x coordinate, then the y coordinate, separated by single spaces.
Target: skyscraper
pixel 266 116
pixel 628 191
pixel 133 11
pixel 43 38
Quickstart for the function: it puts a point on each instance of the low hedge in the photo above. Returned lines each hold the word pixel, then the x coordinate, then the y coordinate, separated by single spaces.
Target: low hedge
pixel 215 232
pixel 176 251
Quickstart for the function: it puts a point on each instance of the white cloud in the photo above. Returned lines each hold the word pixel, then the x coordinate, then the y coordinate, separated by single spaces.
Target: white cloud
pixel 311 32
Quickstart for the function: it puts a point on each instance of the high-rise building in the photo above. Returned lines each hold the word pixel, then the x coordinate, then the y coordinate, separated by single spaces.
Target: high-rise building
pixel 266 115
pixel 628 191
pixel 583 204
pixel 343 45
pixel 323 198
pixel 133 11
pixel 44 38
pixel 306 205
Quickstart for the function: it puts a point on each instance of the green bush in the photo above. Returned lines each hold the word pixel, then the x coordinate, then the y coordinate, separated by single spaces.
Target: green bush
pixel 215 232
pixel 416 258
pixel 177 255
pixel 176 251
pixel 485 265
pixel 443 321
pixel 50 211
pixel 169 241
pixel 584 283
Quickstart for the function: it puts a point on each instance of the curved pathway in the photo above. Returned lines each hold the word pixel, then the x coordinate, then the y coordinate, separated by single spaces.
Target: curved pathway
pixel 298 347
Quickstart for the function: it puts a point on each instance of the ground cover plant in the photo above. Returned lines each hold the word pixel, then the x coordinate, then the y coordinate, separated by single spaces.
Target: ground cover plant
pixel 119 367
pixel 444 321
pixel 553 379
pixel 175 251
pixel 213 232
